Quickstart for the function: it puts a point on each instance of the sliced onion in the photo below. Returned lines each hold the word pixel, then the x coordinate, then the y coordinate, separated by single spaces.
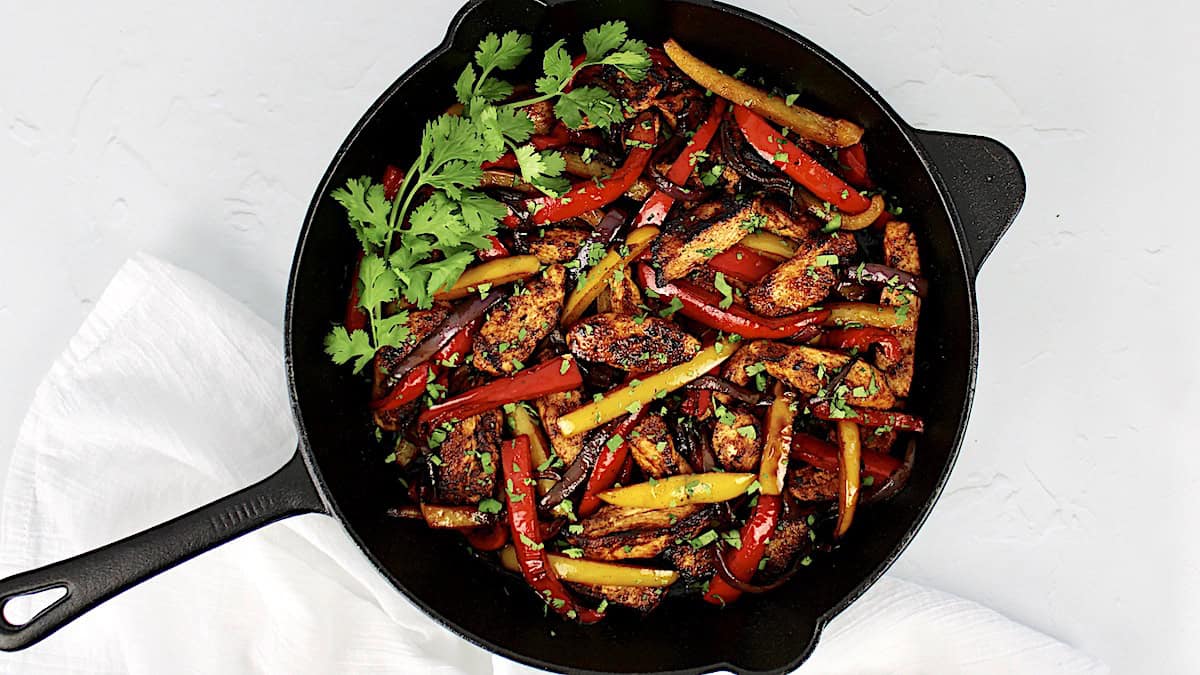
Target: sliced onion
pixel 602 236
pixel 670 189
pixel 899 478
pixel 731 151
pixel 727 575
pixel 577 472
pixel 407 511
pixel 723 386
pixel 882 275
pixel 456 321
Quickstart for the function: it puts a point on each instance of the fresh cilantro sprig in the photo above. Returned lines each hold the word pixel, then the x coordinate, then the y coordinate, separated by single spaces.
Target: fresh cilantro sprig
pixel 412 250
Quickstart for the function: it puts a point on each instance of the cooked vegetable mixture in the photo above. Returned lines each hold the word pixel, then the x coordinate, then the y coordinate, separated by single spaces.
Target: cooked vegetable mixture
pixel 640 327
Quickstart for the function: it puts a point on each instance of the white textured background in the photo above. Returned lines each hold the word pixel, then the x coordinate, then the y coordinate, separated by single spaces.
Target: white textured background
pixel 197 131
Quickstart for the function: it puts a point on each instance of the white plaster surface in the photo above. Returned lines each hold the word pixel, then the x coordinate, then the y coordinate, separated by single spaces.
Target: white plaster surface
pixel 197 131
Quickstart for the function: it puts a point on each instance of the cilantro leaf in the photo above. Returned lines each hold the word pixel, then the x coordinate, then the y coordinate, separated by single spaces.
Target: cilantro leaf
pixel 343 346
pixel 604 38
pixel 556 64
pixel 379 283
pixel 368 210
pixel 726 290
pixel 464 86
pixel 593 103
pixel 543 169
pixel 504 53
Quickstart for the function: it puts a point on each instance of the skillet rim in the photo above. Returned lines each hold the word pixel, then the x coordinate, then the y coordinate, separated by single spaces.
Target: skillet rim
pixel 964 270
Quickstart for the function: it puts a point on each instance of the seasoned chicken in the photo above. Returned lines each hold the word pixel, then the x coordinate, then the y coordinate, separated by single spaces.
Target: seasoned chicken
pixel 421 323
pixel 621 297
pixel 550 408
pixel 810 484
pixel 900 251
pixel 635 344
pixel 514 328
pixel 800 227
pixel 557 244
pixel 789 539
pixel 805 279
pixel 542 116
pixel 609 519
pixel 695 563
pixel 468 454
pixel 646 543
pixel 693 238
pixel 654 450
pixel 640 598
pixel 808 369
pixel 738 444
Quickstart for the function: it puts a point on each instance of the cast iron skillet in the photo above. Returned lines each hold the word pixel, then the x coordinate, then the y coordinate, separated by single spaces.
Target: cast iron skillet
pixel 961 191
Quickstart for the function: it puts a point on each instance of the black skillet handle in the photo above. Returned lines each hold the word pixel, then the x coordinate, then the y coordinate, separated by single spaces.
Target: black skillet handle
pixel 986 183
pixel 93 577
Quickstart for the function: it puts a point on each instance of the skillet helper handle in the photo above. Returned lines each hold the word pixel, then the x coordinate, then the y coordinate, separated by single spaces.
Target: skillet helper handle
pixel 986 184
pixel 95 576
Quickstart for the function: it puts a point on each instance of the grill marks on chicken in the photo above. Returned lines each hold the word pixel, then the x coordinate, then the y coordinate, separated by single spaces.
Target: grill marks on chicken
pixel 654 450
pixel 900 251
pixel 805 279
pixel 634 344
pixel 469 457
pixel 808 370
pixel 512 330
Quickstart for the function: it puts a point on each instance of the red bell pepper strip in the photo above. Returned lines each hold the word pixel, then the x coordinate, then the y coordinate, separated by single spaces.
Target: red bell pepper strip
pixel 491 538
pixel 853 161
pixel 356 316
pixel 696 402
pixel 552 377
pixel 743 562
pixel 742 263
pixel 655 208
pixel 824 456
pixel 412 385
pixel 702 305
pixel 608 465
pixel 883 219
pixel 393 178
pixel 588 195
pixel 872 418
pixel 498 250
pixel 772 146
pixel 527 536
pixel 861 339
pixel 408 389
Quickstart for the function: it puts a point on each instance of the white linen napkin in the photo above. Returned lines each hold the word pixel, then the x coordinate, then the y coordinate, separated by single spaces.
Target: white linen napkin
pixel 172 394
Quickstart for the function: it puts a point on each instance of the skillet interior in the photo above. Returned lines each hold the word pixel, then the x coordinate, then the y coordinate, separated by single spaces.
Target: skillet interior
pixel 761 634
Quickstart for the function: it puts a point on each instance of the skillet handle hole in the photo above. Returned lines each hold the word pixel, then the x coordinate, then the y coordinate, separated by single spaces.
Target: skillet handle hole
pixel 19 610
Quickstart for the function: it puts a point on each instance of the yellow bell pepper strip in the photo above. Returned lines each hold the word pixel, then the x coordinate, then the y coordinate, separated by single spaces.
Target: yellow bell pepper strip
pixel 494 272
pixel 842 221
pixel 692 488
pixel 530 552
pixel 596 280
pixel 743 562
pixel 634 396
pixel 772 471
pixel 783 154
pixel 849 478
pixel 809 124
pixel 552 377
pixel 445 517
pixel 597 573
pixel 654 209
pixel 855 314
pixel 523 424
pixel 769 244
